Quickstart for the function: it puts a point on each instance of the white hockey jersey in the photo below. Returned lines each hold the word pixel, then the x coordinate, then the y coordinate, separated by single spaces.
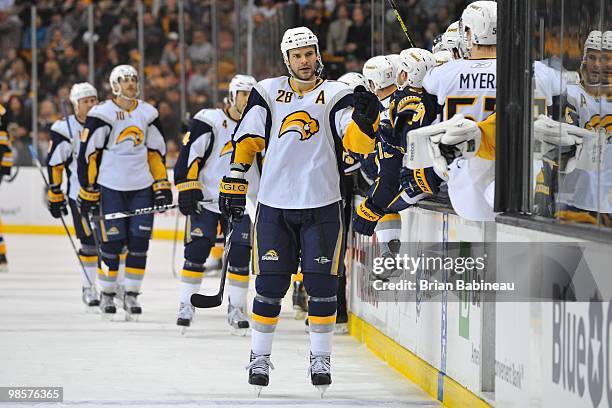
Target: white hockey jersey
pixel 589 186
pixel 64 150
pixel 548 84
pixel 121 142
pixel 303 136
pixel 208 145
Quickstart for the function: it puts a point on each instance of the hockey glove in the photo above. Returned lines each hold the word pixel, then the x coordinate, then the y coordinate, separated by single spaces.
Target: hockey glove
pixel 366 111
pixel 190 194
pixel 162 193
pixel 56 202
pixel 232 196
pixel 88 201
pixel 366 217
pixel 419 183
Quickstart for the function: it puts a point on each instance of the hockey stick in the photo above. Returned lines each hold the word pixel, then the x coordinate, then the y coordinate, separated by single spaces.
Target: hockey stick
pixel 143 211
pixel 400 20
pixel 42 174
pixel 176 224
pixel 207 301
pixel 14 176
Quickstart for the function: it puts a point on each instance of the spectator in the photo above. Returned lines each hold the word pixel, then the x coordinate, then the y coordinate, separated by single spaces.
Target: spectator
pixel 53 76
pixel 201 80
pixel 10 33
pixel 153 38
pixel 201 51
pixel 170 55
pixel 359 36
pixel 41 35
pixel 17 77
pixel 338 32
pixel 46 114
pixel 68 62
pixel 172 153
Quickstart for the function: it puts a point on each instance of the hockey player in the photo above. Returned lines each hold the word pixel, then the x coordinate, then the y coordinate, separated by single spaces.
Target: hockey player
pixel 204 158
pixel 581 172
pixel 410 108
pixel 121 167
pixel 303 122
pixel 468 86
pixel 63 152
pixel 6 162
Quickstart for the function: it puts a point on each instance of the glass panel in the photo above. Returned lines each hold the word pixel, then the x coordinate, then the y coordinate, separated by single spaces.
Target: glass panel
pixel 571 162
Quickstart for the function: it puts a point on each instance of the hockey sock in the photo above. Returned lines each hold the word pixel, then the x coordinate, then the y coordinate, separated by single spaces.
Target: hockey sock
pixel 322 302
pixel 191 279
pixel 122 259
pixel 89 258
pixel 266 307
pixel 2 246
pixel 109 267
pixel 135 263
pixel 389 228
pixel 196 251
pixel 238 275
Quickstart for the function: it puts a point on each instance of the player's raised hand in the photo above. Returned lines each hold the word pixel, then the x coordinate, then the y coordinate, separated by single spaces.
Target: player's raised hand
pixel 366 110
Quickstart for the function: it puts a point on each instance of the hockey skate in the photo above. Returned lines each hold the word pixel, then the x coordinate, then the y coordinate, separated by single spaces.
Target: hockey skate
pixel 300 300
pixel 90 297
pixel 185 316
pixel 237 320
pixel 107 305
pixel 120 294
pixel 259 371
pixel 341 324
pixel 320 372
pixel 131 306
pixel 3 264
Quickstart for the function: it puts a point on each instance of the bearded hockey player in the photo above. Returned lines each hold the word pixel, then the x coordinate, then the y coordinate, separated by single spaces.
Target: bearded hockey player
pixel 121 167
pixel 63 152
pixel 582 177
pixel 303 122
pixel 204 158
pixel 6 162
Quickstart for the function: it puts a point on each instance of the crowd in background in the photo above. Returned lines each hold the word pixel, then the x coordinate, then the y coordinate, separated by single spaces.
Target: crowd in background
pixel 344 29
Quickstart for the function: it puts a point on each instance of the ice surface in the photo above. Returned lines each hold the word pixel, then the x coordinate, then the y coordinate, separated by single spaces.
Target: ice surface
pixel 47 339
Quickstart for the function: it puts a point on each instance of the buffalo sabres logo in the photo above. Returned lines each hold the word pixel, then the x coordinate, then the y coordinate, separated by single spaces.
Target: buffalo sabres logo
pixel 131 133
pixel 227 149
pixel 300 122
pixel 412 104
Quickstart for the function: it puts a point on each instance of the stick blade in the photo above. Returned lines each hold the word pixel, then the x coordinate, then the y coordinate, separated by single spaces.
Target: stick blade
pixel 206 302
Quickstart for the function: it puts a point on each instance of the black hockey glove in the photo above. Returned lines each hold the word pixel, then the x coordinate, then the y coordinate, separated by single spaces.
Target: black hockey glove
pixel 189 197
pixel 88 201
pixel 232 197
pixel 366 110
pixel 419 183
pixel 56 202
pixel 162 193
pixel 365 217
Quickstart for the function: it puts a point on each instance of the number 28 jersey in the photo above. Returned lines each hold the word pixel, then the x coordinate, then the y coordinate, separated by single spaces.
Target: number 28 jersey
pixel 464 86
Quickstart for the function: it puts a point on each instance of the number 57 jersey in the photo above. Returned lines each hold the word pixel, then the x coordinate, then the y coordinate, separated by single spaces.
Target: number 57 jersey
pixel 464 86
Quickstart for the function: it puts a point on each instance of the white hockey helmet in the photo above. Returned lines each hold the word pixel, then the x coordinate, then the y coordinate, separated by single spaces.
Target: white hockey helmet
pixel 415 63
pixel 354 79
pixel 606 40
pixel 240 83
pixel 79 91
pixel 122 71
pixel 438 44
pixel 442 57
pixel 451 38
pixel 379 72
pixel 480 18
pixel 299 37
pixel 395 62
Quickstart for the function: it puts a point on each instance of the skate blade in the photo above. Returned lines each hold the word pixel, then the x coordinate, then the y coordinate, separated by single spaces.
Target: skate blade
pixel 257 389
pixel 322 389
pixel 109 317
pixel 129 317
pixel 234 331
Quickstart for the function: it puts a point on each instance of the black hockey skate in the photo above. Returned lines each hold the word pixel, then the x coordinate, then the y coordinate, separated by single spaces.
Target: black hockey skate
pixel 259 371
pixel 185 316
pixel 107 305
pixel 90 297
pixel 320 372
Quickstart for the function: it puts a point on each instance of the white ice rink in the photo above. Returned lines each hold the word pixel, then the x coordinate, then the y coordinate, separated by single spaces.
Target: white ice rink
pixel 46 339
